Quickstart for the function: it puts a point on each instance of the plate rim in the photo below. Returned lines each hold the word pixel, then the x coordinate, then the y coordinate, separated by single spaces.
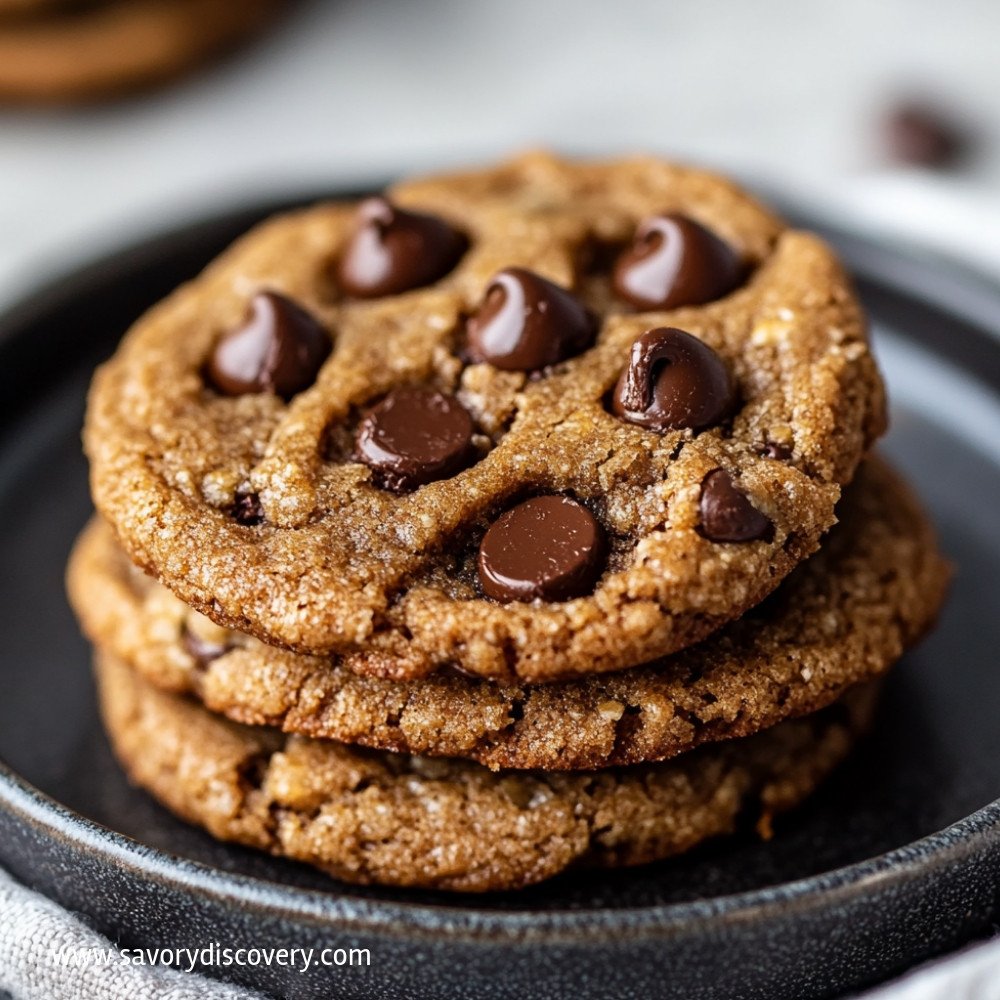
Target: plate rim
pixel 954 844
pixel 942 282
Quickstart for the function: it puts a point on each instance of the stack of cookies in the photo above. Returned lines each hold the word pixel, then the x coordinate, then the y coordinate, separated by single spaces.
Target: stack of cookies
pixel 516 520
pixel 72 50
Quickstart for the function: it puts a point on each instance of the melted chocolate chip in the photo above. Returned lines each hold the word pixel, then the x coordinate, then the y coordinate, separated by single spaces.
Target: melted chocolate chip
pixel 526 323
pixel 202 651
pixel 279 349
pixel 393 251
pixel 673 380
pixel 674 261
pixel 919 134
pixel 727 515
pixel 247 510
pixel 415 436
pixel 779 452
pixel 549 548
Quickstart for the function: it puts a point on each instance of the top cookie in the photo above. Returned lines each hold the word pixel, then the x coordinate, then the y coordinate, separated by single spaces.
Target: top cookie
pixel 533 422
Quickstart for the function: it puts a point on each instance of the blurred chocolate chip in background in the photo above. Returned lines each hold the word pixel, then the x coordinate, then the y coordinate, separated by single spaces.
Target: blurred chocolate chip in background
pixel 923 132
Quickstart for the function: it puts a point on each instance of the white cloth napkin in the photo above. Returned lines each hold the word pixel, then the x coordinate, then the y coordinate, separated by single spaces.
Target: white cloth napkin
pixel 973 974
pixel 42 957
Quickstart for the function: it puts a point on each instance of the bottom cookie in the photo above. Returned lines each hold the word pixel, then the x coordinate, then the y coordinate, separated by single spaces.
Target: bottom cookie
pixel 369 816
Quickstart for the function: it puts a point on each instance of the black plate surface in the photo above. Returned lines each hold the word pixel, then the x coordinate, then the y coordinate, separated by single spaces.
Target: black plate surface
pixel 856 885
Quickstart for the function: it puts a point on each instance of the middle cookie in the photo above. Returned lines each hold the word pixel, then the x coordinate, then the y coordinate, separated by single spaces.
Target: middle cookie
pixel 844 617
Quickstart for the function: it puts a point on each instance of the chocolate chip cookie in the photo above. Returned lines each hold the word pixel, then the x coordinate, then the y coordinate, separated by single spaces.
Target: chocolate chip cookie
pixel 843 617
pixel 67 50
pixel 365 816
pixel 19 8
pixel 532 422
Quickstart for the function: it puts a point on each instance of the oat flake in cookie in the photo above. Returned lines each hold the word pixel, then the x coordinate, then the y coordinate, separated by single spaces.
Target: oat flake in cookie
pixel 391 819
pixel 340 556
pixel 842 618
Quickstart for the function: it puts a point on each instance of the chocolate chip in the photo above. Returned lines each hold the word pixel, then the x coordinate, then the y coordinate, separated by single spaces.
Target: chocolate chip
pixel 779 452
pixel 919 134
pixel 247 510
pixel 279 349
pixel 526 323
pixel 674 261
pixel 415 436
pixel 393 251
pixel 549 548
pixel 727 515
pixel 673 380
pixel 202 651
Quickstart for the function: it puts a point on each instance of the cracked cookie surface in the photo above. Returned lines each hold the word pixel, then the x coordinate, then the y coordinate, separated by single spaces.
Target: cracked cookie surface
pixel 255 509
pixel 389 819
pixel 843 617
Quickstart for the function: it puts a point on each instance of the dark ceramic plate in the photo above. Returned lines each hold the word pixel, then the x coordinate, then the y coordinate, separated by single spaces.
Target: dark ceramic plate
pixel 895 860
